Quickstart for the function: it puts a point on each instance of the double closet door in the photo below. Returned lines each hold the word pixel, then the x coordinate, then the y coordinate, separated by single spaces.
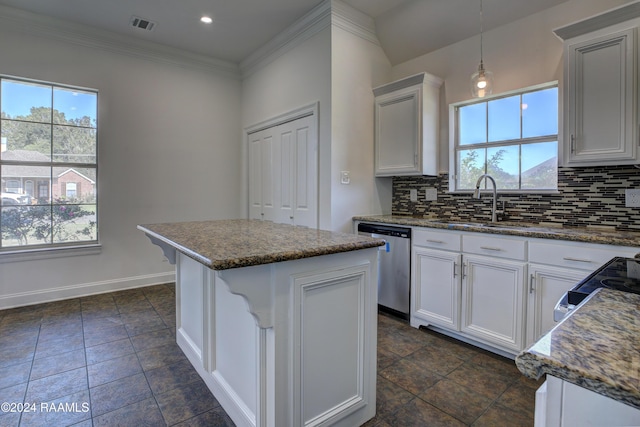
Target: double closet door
pixel 283 173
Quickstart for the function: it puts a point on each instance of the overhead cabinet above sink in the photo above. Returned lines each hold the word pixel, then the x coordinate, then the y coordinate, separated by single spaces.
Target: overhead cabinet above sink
pixel 600 112
pixel 406 126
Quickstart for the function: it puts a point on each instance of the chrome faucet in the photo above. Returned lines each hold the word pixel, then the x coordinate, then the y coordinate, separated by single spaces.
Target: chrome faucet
pixel 476 194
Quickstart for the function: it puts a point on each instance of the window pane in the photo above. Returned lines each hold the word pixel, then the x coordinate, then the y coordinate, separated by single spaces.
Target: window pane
pixel 32 137
pixel 74 145
pixel 15 179
pixel 25 225
pixel 26 101
pixel 471 164
pixel 74 107
pixel 73 223
pixel 504 118
pixel 504 166
pixel 82 179
pixel 540 165
pixel 540 113
pixel 473 124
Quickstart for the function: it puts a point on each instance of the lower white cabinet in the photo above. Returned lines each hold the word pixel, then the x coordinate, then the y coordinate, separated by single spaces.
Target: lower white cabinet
pixel 496 290
pixel 561 403
pixel 476 296
pixel 493 301
pixel 547 285
pixel 436 296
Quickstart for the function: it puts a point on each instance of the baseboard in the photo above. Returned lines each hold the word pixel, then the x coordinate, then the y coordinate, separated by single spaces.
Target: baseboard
pixel 82 290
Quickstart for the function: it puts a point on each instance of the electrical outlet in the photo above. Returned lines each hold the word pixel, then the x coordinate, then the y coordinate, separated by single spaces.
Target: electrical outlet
pixel 632 198
pixel 413 195
pixel 430 194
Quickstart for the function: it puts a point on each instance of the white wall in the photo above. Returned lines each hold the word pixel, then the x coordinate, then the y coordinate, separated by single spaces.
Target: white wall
pixel 168 151
pixel 358 65
pixel 520 54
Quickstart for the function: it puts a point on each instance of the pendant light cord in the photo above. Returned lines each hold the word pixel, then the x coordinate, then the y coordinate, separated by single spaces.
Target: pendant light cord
pixel 481 30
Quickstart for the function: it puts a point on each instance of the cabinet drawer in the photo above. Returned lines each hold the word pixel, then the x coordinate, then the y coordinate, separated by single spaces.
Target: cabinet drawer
pixel 578 255
pixel 501 247
pixel 447 240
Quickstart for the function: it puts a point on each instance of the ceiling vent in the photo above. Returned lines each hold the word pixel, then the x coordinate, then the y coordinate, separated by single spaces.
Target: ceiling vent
pixel 143 24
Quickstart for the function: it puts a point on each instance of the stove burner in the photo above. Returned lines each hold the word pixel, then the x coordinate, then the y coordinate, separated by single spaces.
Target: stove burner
pixel 619 283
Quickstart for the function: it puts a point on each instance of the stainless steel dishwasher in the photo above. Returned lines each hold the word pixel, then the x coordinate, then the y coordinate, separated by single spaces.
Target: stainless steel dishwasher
pixel 394 286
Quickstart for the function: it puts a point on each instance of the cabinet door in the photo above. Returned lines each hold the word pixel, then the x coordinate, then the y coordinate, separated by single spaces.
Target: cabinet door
pixel 398 133
pixel 601 100
pixel 493 301
pixel 546 286
pixel 297 173
pixel 261 169
pixel 435 288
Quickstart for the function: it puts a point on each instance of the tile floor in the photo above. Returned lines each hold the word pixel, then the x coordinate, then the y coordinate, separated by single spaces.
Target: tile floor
pixel 112 360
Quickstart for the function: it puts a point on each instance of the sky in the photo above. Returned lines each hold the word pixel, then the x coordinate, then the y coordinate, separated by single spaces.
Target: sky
pixel 508 121
pixel 17 98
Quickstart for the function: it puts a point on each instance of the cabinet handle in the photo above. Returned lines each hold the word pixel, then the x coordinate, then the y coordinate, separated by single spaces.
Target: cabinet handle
pixel 463 269
pixel 531 279
pixel 489 248
pixel 573 144
pixel 455 266
pixel 434 241
pixel 567 258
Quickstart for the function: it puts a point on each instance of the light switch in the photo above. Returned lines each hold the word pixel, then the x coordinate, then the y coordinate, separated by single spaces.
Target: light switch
pixel 413 195
pixel 345 178
pixel 430 194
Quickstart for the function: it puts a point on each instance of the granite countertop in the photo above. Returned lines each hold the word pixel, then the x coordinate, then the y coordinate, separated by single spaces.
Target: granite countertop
pixel 596 347
pixel 545 231
pixel 225 244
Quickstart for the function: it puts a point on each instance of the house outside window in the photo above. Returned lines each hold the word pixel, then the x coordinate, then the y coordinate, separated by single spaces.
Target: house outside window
pixel 48 165
pixel 512 137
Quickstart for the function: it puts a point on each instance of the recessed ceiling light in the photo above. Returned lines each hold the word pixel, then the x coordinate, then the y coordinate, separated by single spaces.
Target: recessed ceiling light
pixel 206 20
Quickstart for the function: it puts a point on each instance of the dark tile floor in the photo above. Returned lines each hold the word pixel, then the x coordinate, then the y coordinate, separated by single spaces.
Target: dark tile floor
pixel 112 360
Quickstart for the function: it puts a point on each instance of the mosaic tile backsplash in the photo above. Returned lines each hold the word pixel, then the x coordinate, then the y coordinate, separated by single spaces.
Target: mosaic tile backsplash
pixel 587 197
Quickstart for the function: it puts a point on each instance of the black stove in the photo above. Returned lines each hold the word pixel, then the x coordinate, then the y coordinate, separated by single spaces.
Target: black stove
pixel 622 274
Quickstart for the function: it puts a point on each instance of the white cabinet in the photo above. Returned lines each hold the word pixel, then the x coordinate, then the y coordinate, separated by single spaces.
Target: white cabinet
pixel 406 126
pixel 499 291
pixel 554 268
pixel 600 108
pixel 283 173
pixel 493 297
pixel 435 284
pixel 561 403
pixel 456 286
pixel 546 286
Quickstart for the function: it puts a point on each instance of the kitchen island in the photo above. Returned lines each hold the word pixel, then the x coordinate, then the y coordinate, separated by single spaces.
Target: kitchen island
pixel 592 363
pixel 280 321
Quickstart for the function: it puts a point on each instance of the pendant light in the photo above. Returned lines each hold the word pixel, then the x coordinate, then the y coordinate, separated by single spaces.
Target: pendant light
pixel 482 80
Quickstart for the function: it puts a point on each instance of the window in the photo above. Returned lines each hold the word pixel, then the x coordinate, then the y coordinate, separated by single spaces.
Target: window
pixel 513 138
pixel 48 165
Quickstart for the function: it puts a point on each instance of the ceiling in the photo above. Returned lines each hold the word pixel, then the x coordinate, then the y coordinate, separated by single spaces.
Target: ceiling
pixel 406 28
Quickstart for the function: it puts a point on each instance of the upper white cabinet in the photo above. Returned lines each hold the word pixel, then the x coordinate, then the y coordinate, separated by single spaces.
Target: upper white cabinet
pixel 600 93
pixel 406 126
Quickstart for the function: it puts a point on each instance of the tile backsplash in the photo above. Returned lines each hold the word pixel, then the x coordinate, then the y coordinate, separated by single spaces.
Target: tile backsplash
pixel 588 196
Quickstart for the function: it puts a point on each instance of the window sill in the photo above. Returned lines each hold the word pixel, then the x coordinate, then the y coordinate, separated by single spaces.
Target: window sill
pixel 49 253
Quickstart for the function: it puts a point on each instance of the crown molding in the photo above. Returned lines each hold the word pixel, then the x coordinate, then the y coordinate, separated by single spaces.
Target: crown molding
pixel 357 23
pixel 614 16
pixel 306 27
pixel 326 14
pixel 82 35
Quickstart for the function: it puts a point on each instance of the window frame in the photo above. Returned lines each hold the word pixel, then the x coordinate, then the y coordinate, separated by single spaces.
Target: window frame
pixel 454 146
pixel 56 249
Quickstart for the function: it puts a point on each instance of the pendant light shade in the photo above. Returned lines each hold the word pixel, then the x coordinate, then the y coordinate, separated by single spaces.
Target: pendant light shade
pixel 482 80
